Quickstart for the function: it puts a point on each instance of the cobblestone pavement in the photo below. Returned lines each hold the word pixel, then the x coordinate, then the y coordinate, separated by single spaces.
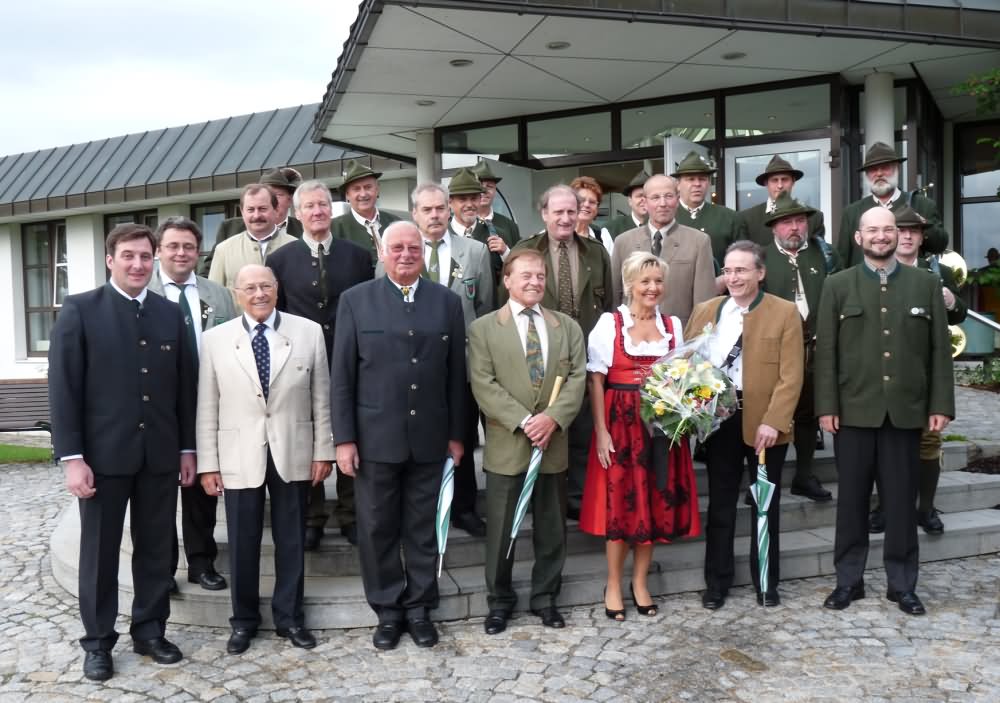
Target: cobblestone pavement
pixel 796 652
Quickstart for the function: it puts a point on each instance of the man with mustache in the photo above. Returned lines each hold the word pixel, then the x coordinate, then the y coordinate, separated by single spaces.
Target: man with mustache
pixel 365 223
pixel 881 168
pixel 883 374
pixel 464 194
pixel 777 177
pixel 262 237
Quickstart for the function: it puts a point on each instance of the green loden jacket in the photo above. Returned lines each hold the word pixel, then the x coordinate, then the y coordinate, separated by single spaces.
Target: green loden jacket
pixel 347 227
pixel 718 222
pixel 883 350
pixel 752 227
pixel 780 277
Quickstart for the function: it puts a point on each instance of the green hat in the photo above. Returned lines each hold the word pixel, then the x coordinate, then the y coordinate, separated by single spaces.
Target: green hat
pixel 465 182
pixel 778 165
pixel 786 206
pixel 356 172
pixel 638 182
pixel 482 170
pixel 906 216
pixel 880 153
pixel 277 178
pixel 692 164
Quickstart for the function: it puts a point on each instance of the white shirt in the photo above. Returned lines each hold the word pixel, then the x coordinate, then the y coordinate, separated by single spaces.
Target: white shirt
pixel 366 222
pixel 444 258
pixel 141 297
pixel 269 333
pixel 888 203
pixel 460 229
pixel 413 289
pixel 314 245
pixel 172 292
pixel 693 211
pixel 263 241
pixel 723 338
pixel 601 343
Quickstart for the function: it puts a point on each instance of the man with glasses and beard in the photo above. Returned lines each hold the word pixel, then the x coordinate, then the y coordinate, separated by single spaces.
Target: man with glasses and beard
pixel 881 168
pixel 883 374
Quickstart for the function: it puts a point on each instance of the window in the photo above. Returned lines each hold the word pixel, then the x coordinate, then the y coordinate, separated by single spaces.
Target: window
pixel 209 216
pixel 784 110
pixel 560 136
pixel 978 193
pixel 647 126
pixel 45 280
pixel 143 217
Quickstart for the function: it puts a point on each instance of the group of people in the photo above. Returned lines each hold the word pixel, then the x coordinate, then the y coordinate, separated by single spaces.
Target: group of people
pixel 373 347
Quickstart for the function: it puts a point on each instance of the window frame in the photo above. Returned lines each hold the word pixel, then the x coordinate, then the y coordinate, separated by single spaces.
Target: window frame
pixel 56 229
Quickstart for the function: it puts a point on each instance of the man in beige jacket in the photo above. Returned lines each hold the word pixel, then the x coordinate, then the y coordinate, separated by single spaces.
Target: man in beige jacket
pixel 264 423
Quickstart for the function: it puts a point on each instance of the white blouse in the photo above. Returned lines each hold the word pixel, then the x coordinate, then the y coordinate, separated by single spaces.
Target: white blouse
pixel 601 344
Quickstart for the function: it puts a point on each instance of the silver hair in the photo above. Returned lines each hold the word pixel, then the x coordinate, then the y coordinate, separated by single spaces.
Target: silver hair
pixel 633 266
pixel 543 202
pixel 308 187
pixel 396 226
pixel 427 188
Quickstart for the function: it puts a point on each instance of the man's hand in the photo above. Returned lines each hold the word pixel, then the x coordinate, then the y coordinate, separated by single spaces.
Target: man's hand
pixel 766 437
pixel 456 450
pixel 211 483
pixel 347 458
pixel 496 244
pixel 829 423
pixel 320 471
pixel 189 469
pixel 80 479
pixel 949 299
pixel 539 429
pixel 937 423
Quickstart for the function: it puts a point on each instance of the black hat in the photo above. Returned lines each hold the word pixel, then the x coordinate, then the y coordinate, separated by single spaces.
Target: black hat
pixel 465 182
pixel 482 170
pixel 786 206
pixel 277 178
pixel 778 165
pixel 906 216
pixel 880 153
pixel 693 164
pixel 638 182
pixel 356 172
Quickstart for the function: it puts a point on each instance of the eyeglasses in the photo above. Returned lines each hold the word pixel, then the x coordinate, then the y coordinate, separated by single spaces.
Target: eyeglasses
pixel 253 288
pixel 174 247
pixel 872 231
pixel 738 271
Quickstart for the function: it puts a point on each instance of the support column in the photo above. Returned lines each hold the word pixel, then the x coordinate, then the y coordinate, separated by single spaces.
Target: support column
pixel 428 166
pixel 879 119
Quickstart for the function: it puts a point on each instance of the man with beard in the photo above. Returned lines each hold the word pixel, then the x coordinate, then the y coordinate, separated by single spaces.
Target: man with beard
pixel 778 177
pixel 883 373
pixel 637 210
pixel 499 226
pixel 881 169
pixel 796 270
pixel 365 223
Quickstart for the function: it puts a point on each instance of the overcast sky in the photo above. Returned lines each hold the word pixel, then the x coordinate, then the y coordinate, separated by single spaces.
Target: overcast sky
pixel 79 71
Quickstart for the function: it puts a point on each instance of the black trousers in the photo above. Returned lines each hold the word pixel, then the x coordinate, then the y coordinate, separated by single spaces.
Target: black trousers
pixel 245 524
pixel 805 428
pixel 465 473
pixel 726 456
pixel 579 436
pixel 397 504
pixel 198 530
pixel 153 499
pixel 889 455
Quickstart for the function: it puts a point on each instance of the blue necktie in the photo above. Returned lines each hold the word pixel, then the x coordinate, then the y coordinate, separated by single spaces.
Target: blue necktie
pixel 262 355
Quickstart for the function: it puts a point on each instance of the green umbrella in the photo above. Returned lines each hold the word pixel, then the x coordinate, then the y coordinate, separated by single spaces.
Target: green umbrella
pixel 762 491
pixel 445 496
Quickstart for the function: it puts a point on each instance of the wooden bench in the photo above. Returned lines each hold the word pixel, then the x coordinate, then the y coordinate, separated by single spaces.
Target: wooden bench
pixel 24 405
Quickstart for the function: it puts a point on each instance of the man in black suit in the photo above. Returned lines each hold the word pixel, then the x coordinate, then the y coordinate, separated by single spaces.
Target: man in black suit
pixel 122 398
pixel 398 410
pixel 312 273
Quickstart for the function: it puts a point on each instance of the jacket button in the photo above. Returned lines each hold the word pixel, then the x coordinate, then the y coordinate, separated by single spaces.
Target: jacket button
pixel 145 398
pixel 142 342
pixel 410 332
pixel 315 283
pixel 885 378
pixel 413 360
pixel 413 386
pixel 886 354
pixel 413 412
pixel 142 425
pixel 885 332
pixel 884 310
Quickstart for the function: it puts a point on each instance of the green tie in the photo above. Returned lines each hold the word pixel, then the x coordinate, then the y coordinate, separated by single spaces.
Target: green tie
pixel 565 282
pixel 434 266
pixel 188 320
pixel 533 351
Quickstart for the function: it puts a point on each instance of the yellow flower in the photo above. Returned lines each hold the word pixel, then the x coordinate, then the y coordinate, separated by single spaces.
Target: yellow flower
pixel 659 407
pixel 704 392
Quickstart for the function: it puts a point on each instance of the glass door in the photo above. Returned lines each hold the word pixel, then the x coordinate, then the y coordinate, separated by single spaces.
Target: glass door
pixel 812 157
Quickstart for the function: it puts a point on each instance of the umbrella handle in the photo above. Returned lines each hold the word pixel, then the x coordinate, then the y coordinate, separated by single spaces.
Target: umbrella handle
pixel 556 387
pixel 760 456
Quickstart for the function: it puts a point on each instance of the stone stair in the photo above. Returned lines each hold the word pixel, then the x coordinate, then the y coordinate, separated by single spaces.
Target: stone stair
pixel 334 597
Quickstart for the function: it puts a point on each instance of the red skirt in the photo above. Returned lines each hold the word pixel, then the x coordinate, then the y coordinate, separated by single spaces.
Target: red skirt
pixel 624 502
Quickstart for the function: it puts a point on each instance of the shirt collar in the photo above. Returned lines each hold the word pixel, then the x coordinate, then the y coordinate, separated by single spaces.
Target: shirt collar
pixel 488 217
pixel 693 211
pixel 445 240
pixel 192 280
pixel 636 220
pixel 399 286
pixel 890 266
pixel 364 221
pixel 516 308
pixel 792 254
pixel 895 196
pixel 267 238
pixel 141 297
pixel 665 228
pixel 314 245
pixel 458 228
pixel 250 324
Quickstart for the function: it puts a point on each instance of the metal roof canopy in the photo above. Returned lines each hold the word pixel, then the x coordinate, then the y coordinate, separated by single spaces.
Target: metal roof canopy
pixel 395 76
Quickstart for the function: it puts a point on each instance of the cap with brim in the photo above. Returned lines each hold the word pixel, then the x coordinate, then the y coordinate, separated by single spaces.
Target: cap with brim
pixel 276 179
pixel 691 165
pixel 483 172
pixel 465 182
pixel 786 206
pixel 638 182
pixel 906 216
pixel 356 171
pixel 880 153
pixel 778 165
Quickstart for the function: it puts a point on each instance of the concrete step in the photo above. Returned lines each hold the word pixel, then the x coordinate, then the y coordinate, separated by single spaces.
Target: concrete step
pixel 338 601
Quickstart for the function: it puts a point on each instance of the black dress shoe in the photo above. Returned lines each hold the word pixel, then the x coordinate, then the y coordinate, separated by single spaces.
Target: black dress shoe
pixel 712 600
pixel 812 489
pixel 843 596
pixel 174 588
pixel 298 636
pixel 550 616
pixel 930 522
pixel 423 632
pixel 239 640
pixel 209 579
pixel 908 602
pixel 876 521
pixel 350 533
pixel 98 665
pixel 387 635
pixel 470 522
pixel 159 648
pixel 496 622
pixel 313 536
pixel 769 599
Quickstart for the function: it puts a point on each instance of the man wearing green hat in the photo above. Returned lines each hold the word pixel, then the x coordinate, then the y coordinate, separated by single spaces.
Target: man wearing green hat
pixel 282 183
pixel 365 223
pixel 637 205
pixel 881 168
pixel 796 270
pixel 498 225
pixel 694 185
pixel 777 177
pixel 464 193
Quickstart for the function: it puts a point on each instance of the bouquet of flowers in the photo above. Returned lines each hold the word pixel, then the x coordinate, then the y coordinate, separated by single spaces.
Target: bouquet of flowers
pixel 684 394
